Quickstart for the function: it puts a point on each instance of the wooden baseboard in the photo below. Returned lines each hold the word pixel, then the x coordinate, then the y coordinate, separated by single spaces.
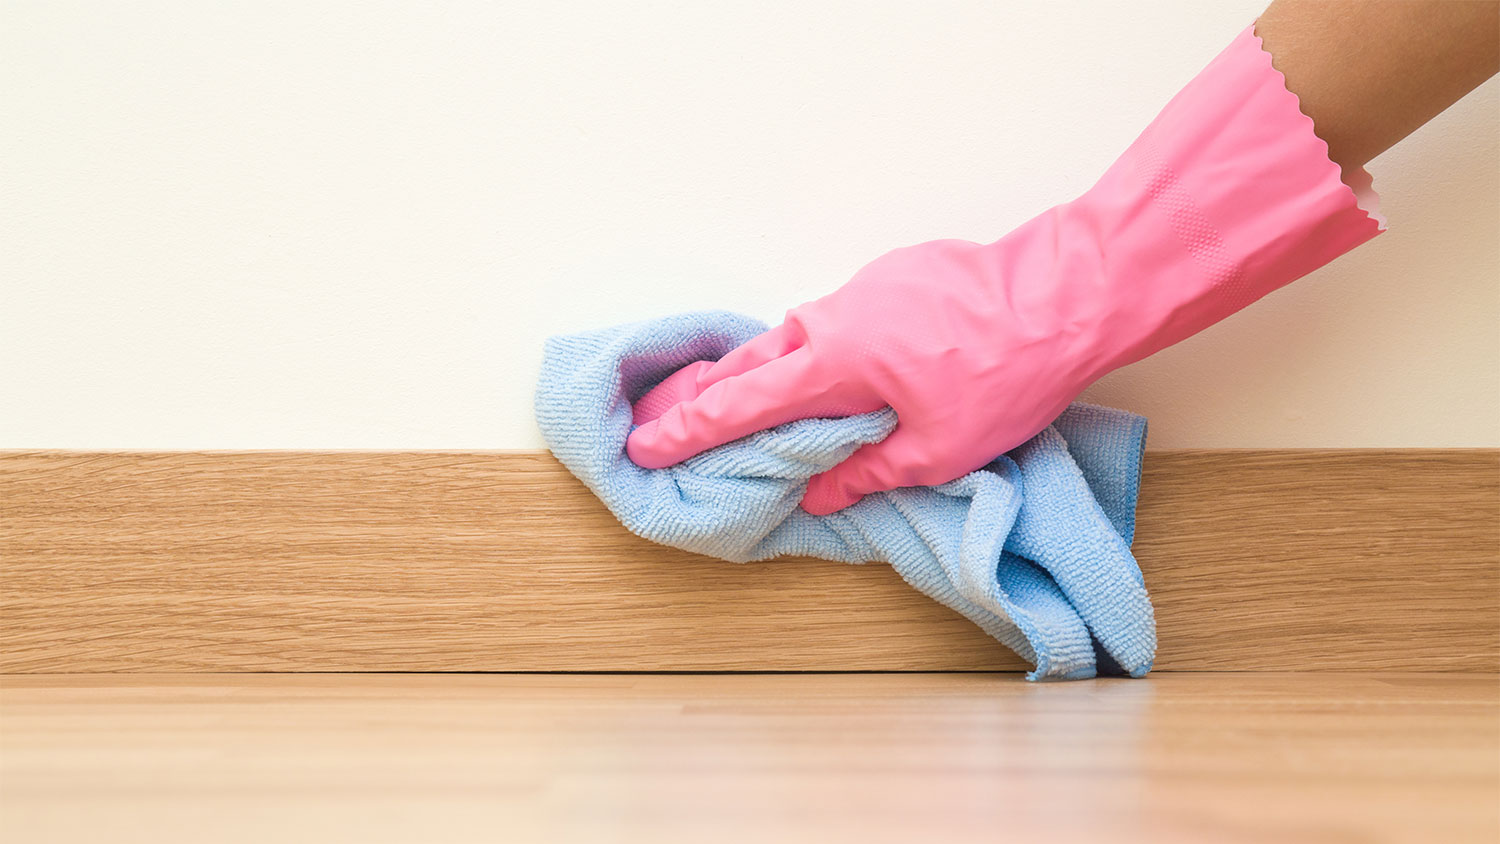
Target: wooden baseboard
pixel 381 561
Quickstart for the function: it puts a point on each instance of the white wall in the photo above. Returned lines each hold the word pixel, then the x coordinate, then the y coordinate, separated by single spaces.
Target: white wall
pixel 351 224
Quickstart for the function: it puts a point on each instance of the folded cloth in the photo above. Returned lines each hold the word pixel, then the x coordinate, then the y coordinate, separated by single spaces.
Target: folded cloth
pixel 1034 548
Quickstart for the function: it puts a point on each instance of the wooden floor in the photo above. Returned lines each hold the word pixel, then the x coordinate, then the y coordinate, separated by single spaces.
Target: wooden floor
pixel 816 757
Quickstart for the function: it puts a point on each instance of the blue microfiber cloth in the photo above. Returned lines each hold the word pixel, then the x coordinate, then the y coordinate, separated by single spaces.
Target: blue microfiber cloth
pixel 1034 548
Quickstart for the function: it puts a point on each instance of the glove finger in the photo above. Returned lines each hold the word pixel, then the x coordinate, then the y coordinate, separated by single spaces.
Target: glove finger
pixel 774 393
pixel 683 385
pixel 896 461
pixel 690 381
pixel 752 354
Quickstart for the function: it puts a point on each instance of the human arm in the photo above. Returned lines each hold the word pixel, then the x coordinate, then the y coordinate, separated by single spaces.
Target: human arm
pixel 1371 72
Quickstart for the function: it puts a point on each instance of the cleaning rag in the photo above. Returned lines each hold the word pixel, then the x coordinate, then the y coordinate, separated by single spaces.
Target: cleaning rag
pixel 1034 547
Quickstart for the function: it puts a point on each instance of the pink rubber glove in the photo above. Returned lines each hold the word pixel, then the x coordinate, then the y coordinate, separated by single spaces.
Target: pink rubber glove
pixel 1225 197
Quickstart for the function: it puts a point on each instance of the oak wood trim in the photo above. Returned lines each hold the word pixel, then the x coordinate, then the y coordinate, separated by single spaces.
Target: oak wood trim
pixel 501 561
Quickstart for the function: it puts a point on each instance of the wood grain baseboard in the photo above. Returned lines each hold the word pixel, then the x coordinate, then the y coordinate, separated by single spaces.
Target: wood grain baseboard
pixel 437 561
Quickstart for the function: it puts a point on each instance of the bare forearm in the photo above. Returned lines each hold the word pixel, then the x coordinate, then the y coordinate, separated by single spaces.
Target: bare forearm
pixel 1370 72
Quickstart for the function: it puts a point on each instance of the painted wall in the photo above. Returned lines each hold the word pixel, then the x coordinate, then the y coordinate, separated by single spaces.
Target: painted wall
pixel 351 224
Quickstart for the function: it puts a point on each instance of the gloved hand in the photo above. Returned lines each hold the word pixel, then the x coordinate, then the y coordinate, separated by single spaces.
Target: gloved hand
pixel 966 342
pixel 1225 197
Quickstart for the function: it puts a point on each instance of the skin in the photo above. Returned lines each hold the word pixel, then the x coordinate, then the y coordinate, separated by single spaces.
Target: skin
pixel 1370 72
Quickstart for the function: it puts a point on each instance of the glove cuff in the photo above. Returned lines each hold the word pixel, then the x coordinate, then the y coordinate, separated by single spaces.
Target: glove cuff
pixel 1228 195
